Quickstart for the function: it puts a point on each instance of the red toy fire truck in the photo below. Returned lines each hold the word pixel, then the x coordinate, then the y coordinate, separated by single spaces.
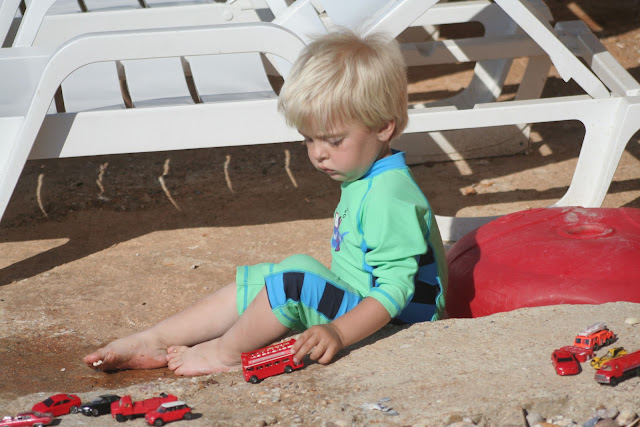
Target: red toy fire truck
pixel 594 337
pixel 268 361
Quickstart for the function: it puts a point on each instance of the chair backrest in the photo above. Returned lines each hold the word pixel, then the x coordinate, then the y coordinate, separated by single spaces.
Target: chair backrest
pixel 153 82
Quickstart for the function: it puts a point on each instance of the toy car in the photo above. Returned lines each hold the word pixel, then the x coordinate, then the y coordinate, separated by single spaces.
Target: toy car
pixel 613 353
pixel 27 419
pixel 595 337
pixel 582 354
pixel 619 369
pixel 59 404
pixel 167 412
pixel 565 362
pixel 126 409
pixel 99 406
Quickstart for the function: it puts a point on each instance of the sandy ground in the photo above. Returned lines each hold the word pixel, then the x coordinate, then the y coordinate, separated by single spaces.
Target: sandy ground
pixel 101 251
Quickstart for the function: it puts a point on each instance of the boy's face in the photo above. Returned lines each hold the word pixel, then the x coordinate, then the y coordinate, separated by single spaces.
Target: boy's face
pixel 349 151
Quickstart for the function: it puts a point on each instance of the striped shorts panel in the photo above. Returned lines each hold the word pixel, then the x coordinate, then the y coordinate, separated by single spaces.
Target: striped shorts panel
pixel 302 292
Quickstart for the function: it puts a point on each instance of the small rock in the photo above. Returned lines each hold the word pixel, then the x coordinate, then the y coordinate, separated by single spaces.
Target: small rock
pixel 632 321
pixel 626 417
pixel 606 422
pixel 606 413
pixel 468 191
pixel 592 422
pixel 534 418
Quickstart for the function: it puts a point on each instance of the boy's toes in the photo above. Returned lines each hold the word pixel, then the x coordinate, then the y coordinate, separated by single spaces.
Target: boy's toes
pixel 95 359
pixel 174 356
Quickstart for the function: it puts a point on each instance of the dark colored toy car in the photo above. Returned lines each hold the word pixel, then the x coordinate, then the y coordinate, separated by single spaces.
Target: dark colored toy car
pixel 27 419
pixel 167 412
pixel 99 406
pixel 59 404
pixel 565 362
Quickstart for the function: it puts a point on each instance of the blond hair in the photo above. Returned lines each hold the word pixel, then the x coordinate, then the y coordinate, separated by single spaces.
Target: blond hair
pixel 341 78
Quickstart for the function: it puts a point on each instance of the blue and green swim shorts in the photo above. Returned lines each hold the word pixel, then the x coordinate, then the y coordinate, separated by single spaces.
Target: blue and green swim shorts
pixel 302 292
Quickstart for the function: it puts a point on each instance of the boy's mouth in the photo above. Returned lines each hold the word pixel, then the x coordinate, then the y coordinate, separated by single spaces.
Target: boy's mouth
pixel 326 170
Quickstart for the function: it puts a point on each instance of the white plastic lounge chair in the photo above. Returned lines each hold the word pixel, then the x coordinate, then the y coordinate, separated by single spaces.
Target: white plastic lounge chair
pixel 611 97
pixel 97 87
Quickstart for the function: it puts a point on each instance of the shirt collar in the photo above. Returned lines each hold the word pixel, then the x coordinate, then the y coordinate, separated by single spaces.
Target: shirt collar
pixel 394 161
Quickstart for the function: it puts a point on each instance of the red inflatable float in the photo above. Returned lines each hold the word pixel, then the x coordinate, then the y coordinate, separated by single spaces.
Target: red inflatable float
pixel 545 257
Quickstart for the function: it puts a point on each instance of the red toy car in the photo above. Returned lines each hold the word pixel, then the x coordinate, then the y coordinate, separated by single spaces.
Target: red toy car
pixel 126 409
pixel 268 361
pixel 59 404
pixel 565 362
pixel 582 354
pixel 27 419
pixel 167 412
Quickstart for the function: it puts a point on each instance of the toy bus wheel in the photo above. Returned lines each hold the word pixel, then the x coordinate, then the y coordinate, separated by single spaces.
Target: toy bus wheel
pixel 120 418
pixel 288 369
pixel 253 379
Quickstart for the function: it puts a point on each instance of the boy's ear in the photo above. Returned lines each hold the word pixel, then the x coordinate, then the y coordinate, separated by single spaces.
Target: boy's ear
pixel 387 130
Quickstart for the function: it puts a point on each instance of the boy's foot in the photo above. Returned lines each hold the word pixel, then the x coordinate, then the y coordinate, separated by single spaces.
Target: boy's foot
pixel 201 359
pixel 137 351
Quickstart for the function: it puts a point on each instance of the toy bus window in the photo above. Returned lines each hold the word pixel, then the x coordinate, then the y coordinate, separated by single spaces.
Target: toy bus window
pixel 249 369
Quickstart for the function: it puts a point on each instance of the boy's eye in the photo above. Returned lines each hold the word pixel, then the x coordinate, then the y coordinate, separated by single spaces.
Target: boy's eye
pixel 336 142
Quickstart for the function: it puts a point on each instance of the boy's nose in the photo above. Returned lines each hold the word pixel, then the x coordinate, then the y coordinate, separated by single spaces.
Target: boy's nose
pixel 317 152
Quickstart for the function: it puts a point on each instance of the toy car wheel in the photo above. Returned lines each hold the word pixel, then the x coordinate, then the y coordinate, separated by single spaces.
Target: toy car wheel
pixel 120 418
pixel 74 410
pixel 253 379
pixel 95 412
pixel 614 381
pixel 188 416
pixel 288 369
pixel 158 422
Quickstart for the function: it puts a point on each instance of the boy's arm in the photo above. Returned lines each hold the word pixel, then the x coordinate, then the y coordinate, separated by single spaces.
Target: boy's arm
pixel 326 340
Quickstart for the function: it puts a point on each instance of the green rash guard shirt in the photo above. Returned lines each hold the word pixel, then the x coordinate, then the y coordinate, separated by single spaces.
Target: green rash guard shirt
pixel 386 243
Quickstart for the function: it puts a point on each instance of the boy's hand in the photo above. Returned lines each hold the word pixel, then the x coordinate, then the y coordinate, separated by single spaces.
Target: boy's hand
pixel 325 340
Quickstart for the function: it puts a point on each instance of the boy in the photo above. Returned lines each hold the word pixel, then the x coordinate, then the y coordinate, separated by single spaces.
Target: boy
pixel 348 97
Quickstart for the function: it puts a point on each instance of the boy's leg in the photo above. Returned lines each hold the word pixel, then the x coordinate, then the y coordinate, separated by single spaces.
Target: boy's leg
pixel 206 319
pixel 257 327
pixel 295 294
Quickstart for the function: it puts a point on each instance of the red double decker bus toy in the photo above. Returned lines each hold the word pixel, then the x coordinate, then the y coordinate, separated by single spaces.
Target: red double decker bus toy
pixel 269 361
